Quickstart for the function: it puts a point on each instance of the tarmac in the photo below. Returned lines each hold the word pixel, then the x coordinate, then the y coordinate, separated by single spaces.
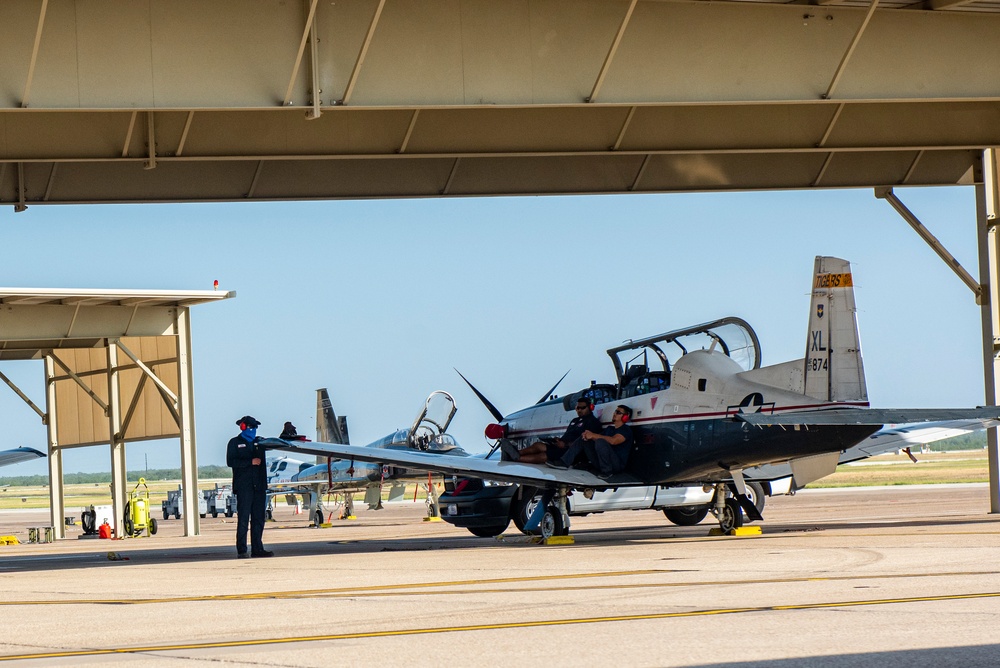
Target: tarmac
pixel 867 576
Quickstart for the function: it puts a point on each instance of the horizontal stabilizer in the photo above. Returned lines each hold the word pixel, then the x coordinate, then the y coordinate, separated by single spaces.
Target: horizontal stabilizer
pixel 865 416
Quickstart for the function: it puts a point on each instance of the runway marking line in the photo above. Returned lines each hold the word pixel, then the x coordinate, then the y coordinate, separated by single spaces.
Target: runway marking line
pixel 486 627
pixel 419 589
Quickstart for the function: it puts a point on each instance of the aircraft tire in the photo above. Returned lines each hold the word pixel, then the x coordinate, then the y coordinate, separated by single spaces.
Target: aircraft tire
pixel 521 508
pixel 488 532
pixel 552 524
pixel 318 518
pixel 732 516
pixel 686 516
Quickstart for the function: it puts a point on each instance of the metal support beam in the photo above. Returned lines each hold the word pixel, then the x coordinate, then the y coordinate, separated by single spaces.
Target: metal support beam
pixel 621 133
pixel 346 98
pixel 136 396
pixel 642 170
pixel 611 53
pixel 850 51
pixel 34 55
pixel 21 205
pixel 931 240
pixel 189 449
pixel 23 396
pixel 52 179
pixel 989 275
pixel 451 176
pixel 830 125
pixel 913 167
pixel 57 498
pixel 79 381
pixel 409 131
pixel 151 139
pixel 822 170
pixel 145 369
pixel 128 133
pixel 184 134
pixel 314 89
pixel 119 481
pixel 298 56
pixel 255 179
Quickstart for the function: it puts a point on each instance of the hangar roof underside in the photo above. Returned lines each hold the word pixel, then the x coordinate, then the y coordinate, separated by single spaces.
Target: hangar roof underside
pixel 157 100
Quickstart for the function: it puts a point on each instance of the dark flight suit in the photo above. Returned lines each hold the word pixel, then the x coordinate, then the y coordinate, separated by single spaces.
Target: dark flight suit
pixel 575 430
pixel 250 486
pixel 608 458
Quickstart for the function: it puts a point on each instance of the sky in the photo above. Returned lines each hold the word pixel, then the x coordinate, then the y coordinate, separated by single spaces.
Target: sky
pixel 380 300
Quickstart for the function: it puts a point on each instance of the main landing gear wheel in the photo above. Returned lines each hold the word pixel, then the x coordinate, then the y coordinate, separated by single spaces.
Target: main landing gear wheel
pixel 552 523
pixel 686 516
pixel 731 516
pixel 755 492
pixel 318 517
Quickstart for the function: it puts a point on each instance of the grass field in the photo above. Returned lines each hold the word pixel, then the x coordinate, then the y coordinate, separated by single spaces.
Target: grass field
pixel 932 468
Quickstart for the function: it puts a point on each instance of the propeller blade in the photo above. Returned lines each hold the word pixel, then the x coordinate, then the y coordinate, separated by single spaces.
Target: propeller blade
pixel 486 402
pixel 545 397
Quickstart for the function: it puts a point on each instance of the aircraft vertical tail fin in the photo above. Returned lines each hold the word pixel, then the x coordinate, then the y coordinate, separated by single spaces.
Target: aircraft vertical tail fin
pixel 329 428
pixel 834 370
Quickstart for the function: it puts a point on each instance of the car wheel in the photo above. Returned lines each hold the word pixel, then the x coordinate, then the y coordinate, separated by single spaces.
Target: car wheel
pixel 215 513
pixel 686 516
pixel 755 492
pixel 488 532
pixel 523 505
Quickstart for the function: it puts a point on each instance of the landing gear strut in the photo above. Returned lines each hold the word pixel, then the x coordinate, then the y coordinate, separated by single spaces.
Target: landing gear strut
pixel 555 521
pixel 727 509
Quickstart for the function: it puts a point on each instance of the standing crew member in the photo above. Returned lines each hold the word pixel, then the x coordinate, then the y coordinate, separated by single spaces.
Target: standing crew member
pixel 245 456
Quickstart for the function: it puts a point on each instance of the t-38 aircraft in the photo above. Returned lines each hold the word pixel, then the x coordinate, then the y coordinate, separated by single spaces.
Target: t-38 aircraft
pixel 428 433
pixel 707 415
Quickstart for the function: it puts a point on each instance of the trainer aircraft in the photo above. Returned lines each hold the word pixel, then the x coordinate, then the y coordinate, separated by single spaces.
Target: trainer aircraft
pixel 704 412
pixel 350 475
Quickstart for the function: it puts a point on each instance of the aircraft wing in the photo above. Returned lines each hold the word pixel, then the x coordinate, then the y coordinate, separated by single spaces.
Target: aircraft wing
pixel 474 467
pixel 883 441
pixel 18 455
pixel 862 416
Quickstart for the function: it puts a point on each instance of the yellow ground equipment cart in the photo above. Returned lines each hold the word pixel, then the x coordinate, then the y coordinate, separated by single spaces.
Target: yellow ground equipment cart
pixel 137 517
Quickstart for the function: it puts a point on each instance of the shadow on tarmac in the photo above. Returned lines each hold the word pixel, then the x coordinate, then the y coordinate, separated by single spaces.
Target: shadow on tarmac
pixel 969 655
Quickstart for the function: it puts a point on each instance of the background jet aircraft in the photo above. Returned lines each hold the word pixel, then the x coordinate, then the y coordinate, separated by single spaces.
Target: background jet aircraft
pixel 346 475
pixel 707 413
pixel 18 455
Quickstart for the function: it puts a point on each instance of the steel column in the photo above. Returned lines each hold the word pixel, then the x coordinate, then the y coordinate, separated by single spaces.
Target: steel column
pixel 989 276
pixel 116 441
pixel 57 498
pixel 185 405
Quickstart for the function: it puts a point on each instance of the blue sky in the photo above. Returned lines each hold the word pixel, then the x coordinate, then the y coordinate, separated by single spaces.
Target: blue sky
pixel 378 300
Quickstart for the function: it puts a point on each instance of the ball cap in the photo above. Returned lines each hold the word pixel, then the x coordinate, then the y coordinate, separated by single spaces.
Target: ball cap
pixel 249 421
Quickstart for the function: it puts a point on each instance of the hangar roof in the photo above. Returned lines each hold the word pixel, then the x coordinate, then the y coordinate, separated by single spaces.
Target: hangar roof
pixel 435 98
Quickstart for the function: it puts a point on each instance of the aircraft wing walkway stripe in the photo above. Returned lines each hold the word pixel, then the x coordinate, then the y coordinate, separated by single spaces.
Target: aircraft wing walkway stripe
pixel 391 633
pixel 871 416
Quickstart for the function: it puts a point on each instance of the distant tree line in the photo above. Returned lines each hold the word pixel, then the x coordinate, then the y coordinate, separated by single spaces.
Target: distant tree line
pixel 105 477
